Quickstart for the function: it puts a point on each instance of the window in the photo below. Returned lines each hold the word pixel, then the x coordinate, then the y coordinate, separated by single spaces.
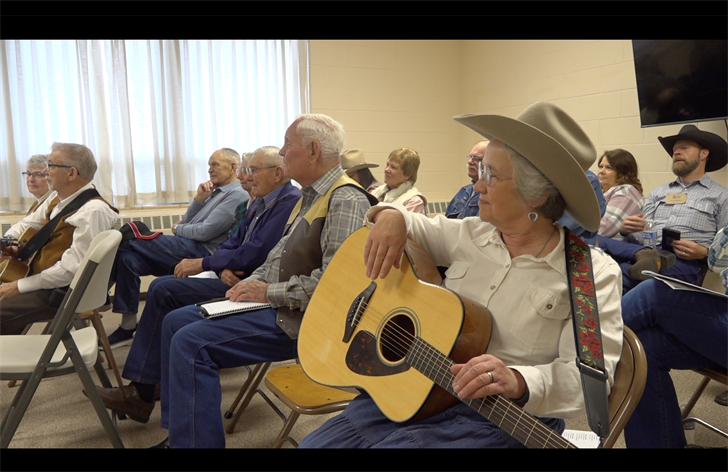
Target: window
pixel 151 111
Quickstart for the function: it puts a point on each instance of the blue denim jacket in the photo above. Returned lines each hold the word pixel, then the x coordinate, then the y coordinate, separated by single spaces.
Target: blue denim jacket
pixel 464 204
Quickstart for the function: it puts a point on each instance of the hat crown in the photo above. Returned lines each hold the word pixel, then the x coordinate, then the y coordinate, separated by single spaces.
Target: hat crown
pixel 560 127
pixel 354 158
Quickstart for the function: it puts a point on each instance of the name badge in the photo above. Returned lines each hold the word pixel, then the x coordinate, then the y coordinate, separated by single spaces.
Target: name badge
pixel 676 198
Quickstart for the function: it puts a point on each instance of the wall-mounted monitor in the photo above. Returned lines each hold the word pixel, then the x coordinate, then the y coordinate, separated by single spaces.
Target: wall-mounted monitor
pixel 681 80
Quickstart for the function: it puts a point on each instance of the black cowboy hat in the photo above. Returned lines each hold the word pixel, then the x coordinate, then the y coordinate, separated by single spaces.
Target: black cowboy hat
pixel 718 147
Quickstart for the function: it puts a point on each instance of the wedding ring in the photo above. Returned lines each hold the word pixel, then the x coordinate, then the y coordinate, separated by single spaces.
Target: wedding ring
pixel 490 374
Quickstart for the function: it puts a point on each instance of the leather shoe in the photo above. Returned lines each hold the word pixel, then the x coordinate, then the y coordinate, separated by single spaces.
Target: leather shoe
pixel 651 259
pixel 126 400
pixel 722 398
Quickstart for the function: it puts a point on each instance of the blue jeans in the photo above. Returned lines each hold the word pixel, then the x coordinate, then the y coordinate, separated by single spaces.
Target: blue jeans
pixel 193 350
pixel 137 257
pixel 679 330
pixel 167 293
pixel 362 425
pixel 623 252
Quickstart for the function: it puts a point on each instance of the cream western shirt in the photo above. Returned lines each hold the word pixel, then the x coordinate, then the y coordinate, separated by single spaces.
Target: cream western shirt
pixel 529 301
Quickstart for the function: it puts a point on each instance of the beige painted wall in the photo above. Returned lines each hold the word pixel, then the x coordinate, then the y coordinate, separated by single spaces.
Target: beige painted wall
pixel 390 94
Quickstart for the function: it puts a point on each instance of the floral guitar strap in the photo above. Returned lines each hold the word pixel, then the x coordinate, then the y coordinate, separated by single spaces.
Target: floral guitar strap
pixel 590 358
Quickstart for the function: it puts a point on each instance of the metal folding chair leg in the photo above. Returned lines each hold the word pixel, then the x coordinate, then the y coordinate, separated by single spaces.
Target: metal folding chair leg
pixel 249 388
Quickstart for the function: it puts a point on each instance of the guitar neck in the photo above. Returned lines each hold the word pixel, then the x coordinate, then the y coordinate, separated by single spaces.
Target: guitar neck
pixel 504 413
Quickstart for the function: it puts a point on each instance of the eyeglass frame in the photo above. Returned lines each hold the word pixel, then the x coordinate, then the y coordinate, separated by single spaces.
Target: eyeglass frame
pixel 37 175
pixel 253 170
pixel 49 165
pixel 484 171
pixel 475 158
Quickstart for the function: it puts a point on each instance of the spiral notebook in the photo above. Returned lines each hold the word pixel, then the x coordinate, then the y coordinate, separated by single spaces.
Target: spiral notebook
pixel 222 307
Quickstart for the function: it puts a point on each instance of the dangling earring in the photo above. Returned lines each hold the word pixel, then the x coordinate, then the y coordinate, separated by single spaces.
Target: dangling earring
pixel 533 216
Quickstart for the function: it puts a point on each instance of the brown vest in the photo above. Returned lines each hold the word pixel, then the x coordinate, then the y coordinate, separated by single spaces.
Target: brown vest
pixel 58 242
pixel 303 253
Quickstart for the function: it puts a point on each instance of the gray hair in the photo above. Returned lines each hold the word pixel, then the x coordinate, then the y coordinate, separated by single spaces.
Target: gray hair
pixel 38 160
pixel 231 156
pixel 246 156
pixel 78 156
pixel 269 156
pixel 531 184
pixel 328 132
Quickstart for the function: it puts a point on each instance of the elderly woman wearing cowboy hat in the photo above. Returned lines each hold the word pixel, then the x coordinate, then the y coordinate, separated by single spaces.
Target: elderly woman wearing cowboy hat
pixel 512 261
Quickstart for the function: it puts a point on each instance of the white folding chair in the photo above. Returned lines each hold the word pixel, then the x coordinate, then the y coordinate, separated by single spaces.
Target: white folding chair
pixel 31 358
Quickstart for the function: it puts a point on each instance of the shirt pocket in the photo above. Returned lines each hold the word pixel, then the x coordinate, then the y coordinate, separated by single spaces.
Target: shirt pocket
pixel 540 319
pixel 455 274
pixel 704 220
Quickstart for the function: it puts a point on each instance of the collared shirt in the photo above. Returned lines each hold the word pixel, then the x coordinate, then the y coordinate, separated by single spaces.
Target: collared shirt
pixel 345 215
pixel 259 206
pixel 529 301
pixel 94 217
pixel 698 219
pixel 622 201
pixel 464 203
pixel 210 222
pixel 718 255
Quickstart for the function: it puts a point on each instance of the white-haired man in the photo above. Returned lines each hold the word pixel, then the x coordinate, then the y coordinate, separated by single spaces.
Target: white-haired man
pixel 244 251
pixel 194 348
pixel 83 214
pixel 205 225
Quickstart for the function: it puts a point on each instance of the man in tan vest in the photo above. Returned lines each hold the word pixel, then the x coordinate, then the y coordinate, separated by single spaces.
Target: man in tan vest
pixel 194 348
pixel 70 169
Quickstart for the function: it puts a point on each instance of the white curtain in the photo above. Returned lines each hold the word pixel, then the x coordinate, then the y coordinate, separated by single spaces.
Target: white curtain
pixel 151 111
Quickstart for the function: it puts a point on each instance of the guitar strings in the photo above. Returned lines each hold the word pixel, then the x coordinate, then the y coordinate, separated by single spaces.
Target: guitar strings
pixel 398 341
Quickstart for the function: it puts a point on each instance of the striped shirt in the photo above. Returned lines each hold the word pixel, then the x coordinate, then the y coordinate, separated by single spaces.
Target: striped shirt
pixel 347 207
pixel 698 219
pixel 622 201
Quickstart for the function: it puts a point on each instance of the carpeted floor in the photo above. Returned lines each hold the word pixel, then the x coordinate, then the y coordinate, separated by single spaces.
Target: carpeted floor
pixel 60 416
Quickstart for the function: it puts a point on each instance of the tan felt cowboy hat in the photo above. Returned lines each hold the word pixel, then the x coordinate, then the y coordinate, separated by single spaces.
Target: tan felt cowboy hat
pixel 717 146
pixel 353 159
pixel 553 142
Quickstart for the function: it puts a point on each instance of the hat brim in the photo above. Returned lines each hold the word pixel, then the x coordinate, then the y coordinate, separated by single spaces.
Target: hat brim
pixel 549 157
pixel 360 166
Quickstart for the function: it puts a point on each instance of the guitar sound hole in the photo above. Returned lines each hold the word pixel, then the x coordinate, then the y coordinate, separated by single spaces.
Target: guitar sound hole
pixel 396 338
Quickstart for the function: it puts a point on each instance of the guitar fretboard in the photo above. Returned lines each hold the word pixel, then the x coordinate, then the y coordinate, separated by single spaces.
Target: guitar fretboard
pixel 504 413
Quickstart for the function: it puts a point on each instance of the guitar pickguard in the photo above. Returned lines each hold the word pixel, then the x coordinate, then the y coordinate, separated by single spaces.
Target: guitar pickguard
pixel 362 357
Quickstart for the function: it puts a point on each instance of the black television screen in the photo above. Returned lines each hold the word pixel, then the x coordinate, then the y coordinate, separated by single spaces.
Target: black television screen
pixel 681 80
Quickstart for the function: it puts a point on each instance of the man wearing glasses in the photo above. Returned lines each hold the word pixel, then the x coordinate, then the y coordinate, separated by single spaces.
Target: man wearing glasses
pixel 205 225
pixel 465 202
pixel 70 170
pixel 245 250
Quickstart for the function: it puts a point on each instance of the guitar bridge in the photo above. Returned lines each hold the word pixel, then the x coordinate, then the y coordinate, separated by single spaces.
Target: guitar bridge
pixel 356 309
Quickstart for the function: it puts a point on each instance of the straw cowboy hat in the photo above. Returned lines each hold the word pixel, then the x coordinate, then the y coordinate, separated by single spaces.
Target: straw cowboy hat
pixel 717 146
pixel 552 141
pixel 353 159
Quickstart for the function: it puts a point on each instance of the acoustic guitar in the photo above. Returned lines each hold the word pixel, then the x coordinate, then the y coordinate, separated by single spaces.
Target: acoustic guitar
pixel 13 269
pixel 397 337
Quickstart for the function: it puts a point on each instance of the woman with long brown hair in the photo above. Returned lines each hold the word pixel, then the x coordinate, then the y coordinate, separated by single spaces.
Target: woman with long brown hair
pixel 622 190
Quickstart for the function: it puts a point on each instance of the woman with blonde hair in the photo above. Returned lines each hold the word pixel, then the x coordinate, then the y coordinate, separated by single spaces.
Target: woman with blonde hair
pixel 400 176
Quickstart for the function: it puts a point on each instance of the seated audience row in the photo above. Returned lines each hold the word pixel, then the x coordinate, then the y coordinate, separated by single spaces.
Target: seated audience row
pixel 274 247
pixel 205 224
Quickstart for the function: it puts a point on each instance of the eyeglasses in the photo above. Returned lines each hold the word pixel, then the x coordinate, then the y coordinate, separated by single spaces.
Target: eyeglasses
pixel 37 175
pixel 484 170
pixel 475 158
pixel 253 170
pixel 59 165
